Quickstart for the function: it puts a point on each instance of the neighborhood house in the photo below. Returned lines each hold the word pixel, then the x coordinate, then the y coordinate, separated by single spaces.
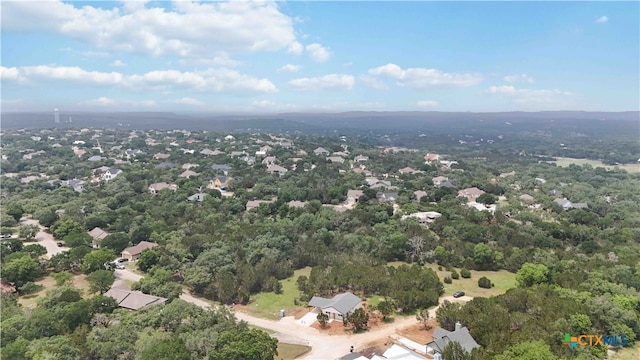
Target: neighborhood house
pixel 132 253
pixel 338 307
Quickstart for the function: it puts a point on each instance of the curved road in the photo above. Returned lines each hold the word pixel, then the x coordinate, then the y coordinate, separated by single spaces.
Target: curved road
pixel 44 238
pixel 323 346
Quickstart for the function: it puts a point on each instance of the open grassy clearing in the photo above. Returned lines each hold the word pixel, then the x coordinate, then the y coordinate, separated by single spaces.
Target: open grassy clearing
pixel 503 281
pixel 564 162
pixel 268 305
pixel 291 351
pixel 627 353
pixel 49 283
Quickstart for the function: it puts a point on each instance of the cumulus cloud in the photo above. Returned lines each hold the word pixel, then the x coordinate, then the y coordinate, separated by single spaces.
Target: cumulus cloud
pixel 602 20
pixel 290 68
pixel 528 96
pixel 423 78
pixel 427 103
pixel 331 81
pixel 101 101
pixel 213 80
pixel 318 53
pixel 188 29
pixel 373 82
pixel 118 63
pixel 11 74
pixel 189 101
pixel 518 78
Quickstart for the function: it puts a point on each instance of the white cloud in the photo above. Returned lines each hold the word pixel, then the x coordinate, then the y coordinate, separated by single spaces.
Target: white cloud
pixel 422 78
pixel 602 20
pixel 101 101
pixel 290 68
pixel 518 78
pixel 427 103
pixel 528 96
pixel 109 102
pixel 211 80
pixel 295 48
pixel 11 74
pixel 373 82
pixel 318 53
pixel 270 106
pixel 331 81
pixel 86 54
pixel 118 63
pixel 188 29
pixel 189 101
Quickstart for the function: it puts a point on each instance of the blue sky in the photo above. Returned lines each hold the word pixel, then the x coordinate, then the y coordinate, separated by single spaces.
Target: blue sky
pixel 265 57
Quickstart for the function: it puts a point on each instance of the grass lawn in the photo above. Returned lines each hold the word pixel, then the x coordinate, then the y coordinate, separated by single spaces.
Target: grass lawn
pixel 627 353
pixel 268 305
pixel 49 283
pixel 565 162
pixel 291 351
pixel 502 279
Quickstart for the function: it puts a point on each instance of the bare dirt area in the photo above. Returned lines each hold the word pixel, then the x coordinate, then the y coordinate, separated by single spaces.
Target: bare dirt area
pixel 417 332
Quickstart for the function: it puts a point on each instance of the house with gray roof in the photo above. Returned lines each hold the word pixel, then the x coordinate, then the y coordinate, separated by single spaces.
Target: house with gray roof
pixel 221 167
pixel 75 184
pixel 110 174
pixel 337 307
pixel 442 337
pixel 321 151
pixel 133 300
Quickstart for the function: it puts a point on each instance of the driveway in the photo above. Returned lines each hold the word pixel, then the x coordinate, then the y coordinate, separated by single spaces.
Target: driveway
pixel 44 238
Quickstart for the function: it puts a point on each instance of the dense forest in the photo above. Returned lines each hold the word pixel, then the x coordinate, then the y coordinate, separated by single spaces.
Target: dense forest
pixel 578 269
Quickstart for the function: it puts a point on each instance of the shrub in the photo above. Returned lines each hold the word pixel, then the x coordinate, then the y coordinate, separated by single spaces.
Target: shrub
pixel 439 268
pixel 466 274
pixel 455 275
pixel 30 288
pixel 485 283
pixel 447 280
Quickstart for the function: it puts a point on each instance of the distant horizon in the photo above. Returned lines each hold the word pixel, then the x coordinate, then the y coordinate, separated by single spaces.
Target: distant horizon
pixel 273 57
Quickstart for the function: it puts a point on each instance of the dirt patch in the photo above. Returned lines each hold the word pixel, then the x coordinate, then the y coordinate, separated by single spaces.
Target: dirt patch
pixel 417 333
pixel 377 347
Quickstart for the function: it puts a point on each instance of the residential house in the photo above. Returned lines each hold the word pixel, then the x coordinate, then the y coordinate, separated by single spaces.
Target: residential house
pixel 220 167
pixel 361 159
pixel 287 144
pixel 166 165
pixel 269 160
pixel 238 153
pixel 431 158
pixel 321 151
pixel 229 138
pixel 504 175
pixel 354 195
pixel 382 184
pixel 540 180
pixel 7 287
pixel 266 149
pixel 424 217
pixel 188 173
pixel 409 170
pixel 219 182
pixel 132 253
pixel 296 204
pixel 387 197
pixel 197 197
pixel 97 234
pixel 526 198
pixel 419 194
pixel 335 159
pixel 442 337
pixel 555 192
pixel 207 152
pixel 566 204
pixel 110 174
pixel 95 158
pixel 438 180
pixel 250 160
pixel 362 171
pixel 75 184
pixel 187 151
pixel 133 300
pixel 161 156
pixel 471 193
pixel 252 204
pixel 157 187
pixel 188 166
pixel 132 153
pixel 276 169
pixel 338 307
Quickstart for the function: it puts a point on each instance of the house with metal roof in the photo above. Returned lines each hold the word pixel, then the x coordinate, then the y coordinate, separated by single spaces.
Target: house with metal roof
pixel 442 337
